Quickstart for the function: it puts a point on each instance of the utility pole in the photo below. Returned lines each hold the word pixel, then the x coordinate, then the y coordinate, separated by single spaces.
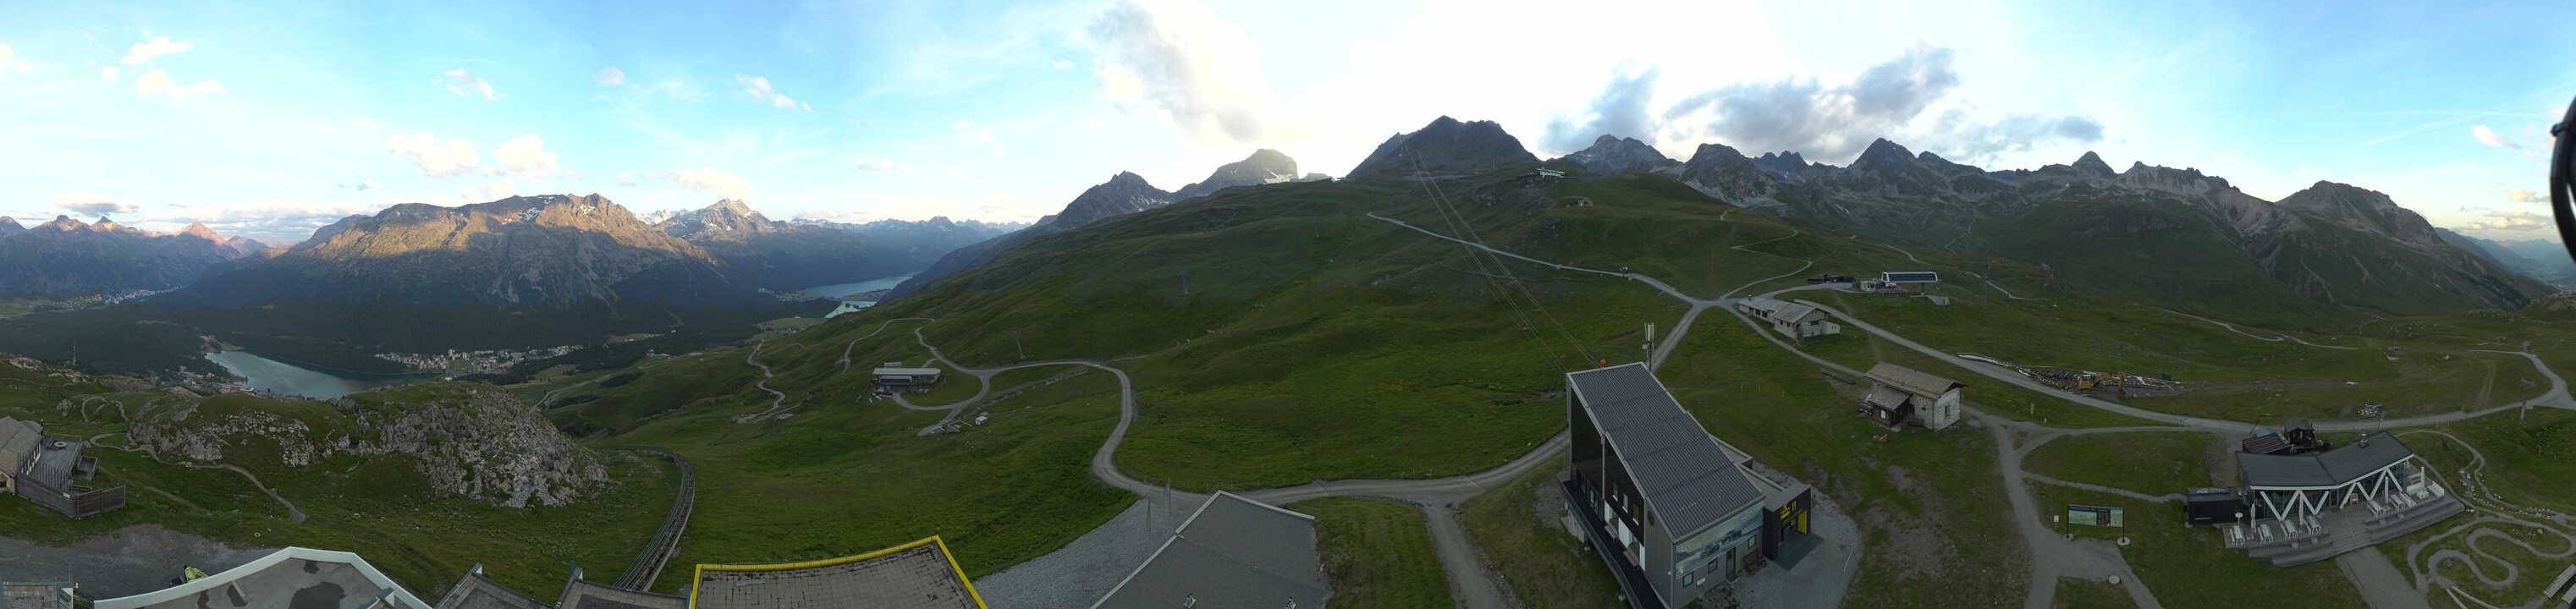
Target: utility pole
pixel 1650 344
pixel 1185 282
pixel 1024 348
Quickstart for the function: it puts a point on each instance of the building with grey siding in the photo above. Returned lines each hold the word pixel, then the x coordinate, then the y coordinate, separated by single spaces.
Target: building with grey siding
pixel 1664 502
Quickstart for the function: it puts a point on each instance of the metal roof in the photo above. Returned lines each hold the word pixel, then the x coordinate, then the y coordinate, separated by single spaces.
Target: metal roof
pixel 1912 381
pixel 474 591
pixel 51 466
pixel 1884 397
pixel 17 440
pixel 1232 552
pixel 908 371
pixel 2327 469
pixel 277 580
pixel 1686 478
pixel 917 575
pixel 581 594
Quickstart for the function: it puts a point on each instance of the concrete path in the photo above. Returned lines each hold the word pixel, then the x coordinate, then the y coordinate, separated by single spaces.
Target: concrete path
pixel 2381 584
pixel 2052 555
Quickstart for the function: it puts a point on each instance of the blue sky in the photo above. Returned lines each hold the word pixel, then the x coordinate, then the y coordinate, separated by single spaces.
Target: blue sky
pixel 271 120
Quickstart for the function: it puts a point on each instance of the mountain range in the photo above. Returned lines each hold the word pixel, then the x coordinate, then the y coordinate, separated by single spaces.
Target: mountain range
pixel 67 256
pixel 782 256
pixel 2175 236
pixel 1125 193
pixel 551 251
pixel 2539 259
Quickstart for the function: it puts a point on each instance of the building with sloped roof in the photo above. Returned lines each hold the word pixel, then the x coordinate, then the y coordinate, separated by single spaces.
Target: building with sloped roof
pixel 1232 552
pixel 583 594
pixel 1673 511
pixel 1899 395
pixel 292 578
pixel 917 575
pixel 2305 507
pixel 50 471
pixel 474 591
pixel 2292 485
pixel 1796 320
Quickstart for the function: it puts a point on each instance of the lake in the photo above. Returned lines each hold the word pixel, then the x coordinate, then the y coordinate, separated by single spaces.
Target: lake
pixel 280 377
pixel 843 291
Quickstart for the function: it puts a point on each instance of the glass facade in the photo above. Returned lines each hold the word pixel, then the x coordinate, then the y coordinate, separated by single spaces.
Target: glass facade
pixel 1712 553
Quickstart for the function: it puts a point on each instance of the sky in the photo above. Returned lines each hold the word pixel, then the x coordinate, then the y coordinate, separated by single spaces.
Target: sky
pixel 270 121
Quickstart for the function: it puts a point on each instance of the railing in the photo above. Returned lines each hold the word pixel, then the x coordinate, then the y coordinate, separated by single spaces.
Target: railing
pixel 76 504
pixel 648 564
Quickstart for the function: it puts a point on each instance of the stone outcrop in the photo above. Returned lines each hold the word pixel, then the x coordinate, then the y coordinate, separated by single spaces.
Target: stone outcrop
pixel 466 441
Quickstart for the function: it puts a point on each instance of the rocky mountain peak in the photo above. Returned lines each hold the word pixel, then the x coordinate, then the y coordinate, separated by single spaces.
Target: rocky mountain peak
pixel 2363 209
pixel 1613 155
pixel 1123 194
pixel 1783 163
pixel 64 224
pixel 1446 147
pixel 9 225
pixel 2091 164
pixel 199 230
pixel 1884 156
pixel 728 218
pixel 1265 166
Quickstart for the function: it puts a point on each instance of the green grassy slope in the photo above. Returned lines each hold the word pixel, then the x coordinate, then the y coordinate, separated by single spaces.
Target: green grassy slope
pixel 1377 553
pixel 373 506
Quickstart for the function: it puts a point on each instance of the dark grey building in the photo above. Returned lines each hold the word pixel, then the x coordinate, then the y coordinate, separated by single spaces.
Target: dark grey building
pixel 1674 511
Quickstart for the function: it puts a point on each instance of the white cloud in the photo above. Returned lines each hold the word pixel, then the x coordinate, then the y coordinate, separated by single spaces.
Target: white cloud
pixel 2512 221
pixel 366 185
pixel 2522 196
pixel 758 87
pixel 713 182
pixel 92 204
pixel 886 166
pixel 107 73
pixel 453 158
pixel 491 192
pixel 366 124
pixel 5 55
pixel 525 155
pixel 1200 70
pixel 2487 135
pixel 1061 64
pixel 461 82
pixel 610 77
pixel 157 82
pixel 156 47
pixel 625 178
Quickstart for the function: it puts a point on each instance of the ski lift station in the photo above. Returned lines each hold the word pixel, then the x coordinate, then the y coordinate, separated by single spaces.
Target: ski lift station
pixel 1674 511
pixel 894 377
